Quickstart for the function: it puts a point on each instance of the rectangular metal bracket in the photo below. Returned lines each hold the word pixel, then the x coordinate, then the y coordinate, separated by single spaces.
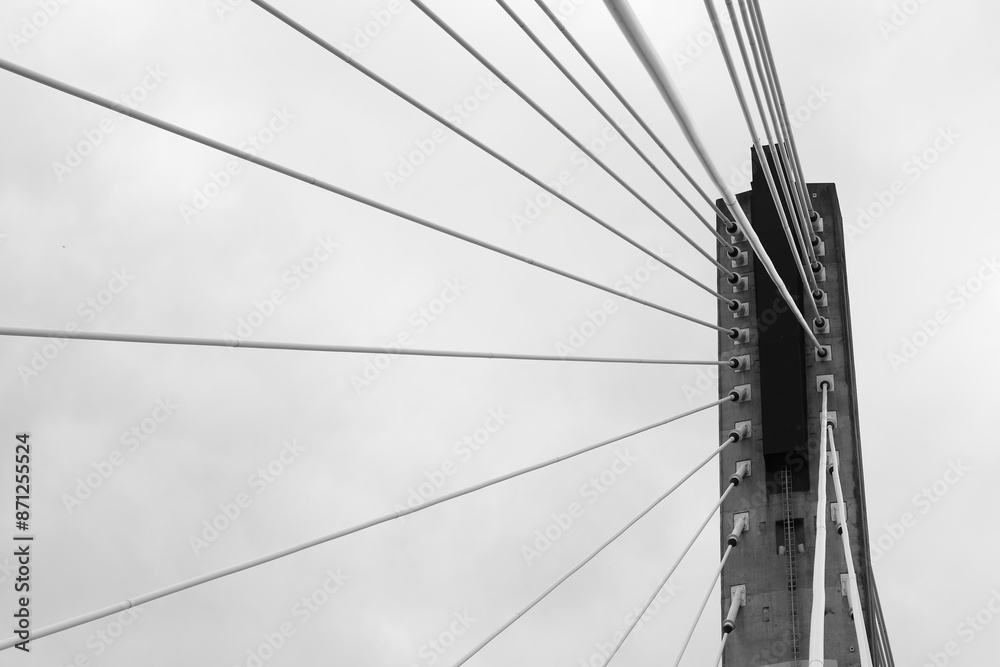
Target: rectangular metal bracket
pixel 744 363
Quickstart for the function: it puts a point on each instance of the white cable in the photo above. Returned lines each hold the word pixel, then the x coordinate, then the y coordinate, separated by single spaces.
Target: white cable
pixel 640 43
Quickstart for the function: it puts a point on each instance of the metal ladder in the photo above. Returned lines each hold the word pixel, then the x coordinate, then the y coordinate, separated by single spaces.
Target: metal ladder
pixel 789 526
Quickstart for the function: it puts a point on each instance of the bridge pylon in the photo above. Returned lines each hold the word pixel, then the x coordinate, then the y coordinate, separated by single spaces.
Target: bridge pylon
pixel 773 569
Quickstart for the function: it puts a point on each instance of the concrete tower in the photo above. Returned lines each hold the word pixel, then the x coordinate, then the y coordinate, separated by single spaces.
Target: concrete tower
pixel 775 557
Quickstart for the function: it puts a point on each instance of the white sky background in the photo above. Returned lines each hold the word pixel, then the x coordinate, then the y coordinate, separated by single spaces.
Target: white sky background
pixel 889 94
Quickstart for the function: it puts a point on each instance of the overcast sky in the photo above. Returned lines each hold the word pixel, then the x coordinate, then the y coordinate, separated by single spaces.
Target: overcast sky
pixel 108 224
